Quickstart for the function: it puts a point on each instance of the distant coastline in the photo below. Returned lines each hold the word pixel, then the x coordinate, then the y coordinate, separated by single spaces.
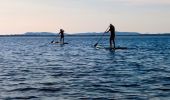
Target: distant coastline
pixel 50 34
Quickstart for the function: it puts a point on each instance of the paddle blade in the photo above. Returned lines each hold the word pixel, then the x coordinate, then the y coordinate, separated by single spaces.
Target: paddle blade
pixel 52 41
pixel 95 44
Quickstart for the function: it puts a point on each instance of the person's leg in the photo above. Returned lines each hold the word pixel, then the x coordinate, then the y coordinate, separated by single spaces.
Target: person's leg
pixel 113 39
pixel 110 42
pixel 63 39
pixel 60 39
pixel 114 43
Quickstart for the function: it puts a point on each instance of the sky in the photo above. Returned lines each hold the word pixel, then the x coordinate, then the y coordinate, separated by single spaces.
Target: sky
pixel 75 16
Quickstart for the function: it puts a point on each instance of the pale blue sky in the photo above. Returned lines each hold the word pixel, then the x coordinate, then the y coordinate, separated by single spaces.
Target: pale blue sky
pixel 18 16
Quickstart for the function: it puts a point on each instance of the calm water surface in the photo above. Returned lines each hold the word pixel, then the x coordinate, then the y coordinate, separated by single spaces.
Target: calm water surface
pixel 33 69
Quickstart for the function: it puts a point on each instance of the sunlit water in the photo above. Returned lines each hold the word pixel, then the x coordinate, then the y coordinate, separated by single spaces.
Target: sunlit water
pixel 32 68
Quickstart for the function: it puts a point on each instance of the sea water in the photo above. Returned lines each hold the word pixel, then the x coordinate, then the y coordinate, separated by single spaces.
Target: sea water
pixel 32 68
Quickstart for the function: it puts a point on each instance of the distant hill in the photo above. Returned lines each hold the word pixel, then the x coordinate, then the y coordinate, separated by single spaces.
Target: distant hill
pixel 39 33
pixel 101 33
pixel 78 34
pixel 86 34
pixel 128 33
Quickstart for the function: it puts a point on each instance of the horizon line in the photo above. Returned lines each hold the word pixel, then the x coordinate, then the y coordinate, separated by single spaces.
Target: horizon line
pixel 70 33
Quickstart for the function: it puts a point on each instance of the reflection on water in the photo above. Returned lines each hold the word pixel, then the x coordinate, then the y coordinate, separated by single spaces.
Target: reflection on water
pixel 32 68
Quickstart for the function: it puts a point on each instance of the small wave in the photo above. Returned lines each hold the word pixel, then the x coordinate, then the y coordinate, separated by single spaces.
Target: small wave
pixel 58 74
pixel 43 89
pixel 108 90
pixel 167 89
pixel 130 85
pixel 23 89
pixel 47 89
pixel 95 98
pixel 21 98
pixel 49 83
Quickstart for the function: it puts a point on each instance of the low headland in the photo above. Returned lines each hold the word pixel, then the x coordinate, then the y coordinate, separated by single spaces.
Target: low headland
pixel 45 34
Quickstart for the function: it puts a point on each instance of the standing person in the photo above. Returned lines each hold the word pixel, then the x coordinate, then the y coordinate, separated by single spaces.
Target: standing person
pixel 112 35
pixel 61 36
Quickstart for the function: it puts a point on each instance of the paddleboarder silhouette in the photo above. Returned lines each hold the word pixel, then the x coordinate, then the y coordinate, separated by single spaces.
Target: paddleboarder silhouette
pixel 112 35
pixel 61 36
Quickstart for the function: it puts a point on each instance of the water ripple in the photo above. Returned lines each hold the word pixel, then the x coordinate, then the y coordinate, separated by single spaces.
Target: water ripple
pixel 32 68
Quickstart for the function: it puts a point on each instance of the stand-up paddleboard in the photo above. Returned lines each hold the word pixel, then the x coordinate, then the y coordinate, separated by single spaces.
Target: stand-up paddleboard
pixel 53 42
pixel 108 48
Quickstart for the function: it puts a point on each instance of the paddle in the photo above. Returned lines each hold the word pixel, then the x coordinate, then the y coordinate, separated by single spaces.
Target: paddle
pixel 100 38
pixel 53 41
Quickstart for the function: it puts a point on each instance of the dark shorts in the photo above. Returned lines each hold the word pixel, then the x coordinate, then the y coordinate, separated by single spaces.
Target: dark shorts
pixel 112 37
pixel 62 36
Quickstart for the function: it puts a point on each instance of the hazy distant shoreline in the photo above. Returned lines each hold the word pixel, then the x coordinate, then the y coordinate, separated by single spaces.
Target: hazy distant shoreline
pixel 50 34
pixel 80 35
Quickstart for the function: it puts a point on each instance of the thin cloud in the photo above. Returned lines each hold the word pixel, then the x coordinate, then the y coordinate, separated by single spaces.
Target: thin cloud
pixel 147 2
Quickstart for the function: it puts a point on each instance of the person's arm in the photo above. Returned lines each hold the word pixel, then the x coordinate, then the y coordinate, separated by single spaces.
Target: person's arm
pixel 107 31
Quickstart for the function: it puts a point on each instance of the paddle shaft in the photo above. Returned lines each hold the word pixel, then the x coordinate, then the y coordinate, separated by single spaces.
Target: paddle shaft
pixel 56 38
pixel 100 38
